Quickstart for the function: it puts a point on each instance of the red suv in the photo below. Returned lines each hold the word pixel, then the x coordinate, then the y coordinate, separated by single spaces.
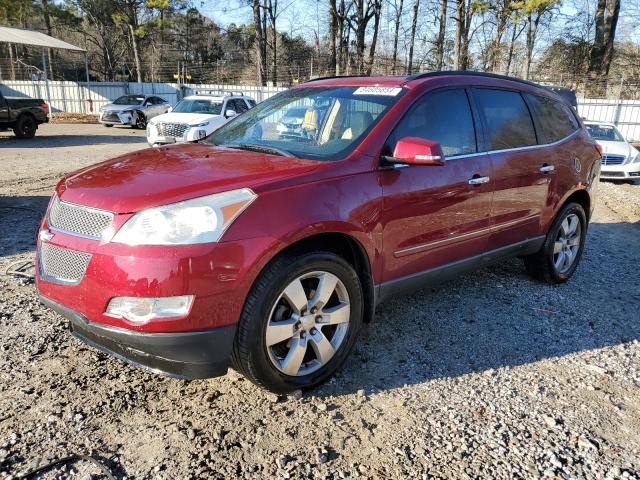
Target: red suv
pixel 269 252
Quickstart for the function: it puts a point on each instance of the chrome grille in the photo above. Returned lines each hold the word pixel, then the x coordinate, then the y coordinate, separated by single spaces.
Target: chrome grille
pixel 78 220
pixel 171 129
pixel 62 265
pixel 608 159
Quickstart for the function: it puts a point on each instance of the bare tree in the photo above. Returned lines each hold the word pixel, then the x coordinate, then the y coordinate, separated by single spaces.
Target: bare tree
pixel 606 21
pixel 261 43
pixel 397 17
pixel 412 36
pixel 535 12
pixel 442 26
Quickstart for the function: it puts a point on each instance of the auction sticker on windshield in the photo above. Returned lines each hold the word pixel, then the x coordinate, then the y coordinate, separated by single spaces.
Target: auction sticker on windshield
pixel 386 91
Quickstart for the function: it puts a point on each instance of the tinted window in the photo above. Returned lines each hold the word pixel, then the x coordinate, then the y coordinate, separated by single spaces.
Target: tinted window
pixel 444 117
pixel 555 119
pixel 251 102
pixel 508 120
pixel 238 105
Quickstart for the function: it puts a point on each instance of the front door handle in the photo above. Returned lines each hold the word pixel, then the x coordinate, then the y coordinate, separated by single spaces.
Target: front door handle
pixel 478 180
pixel 546 168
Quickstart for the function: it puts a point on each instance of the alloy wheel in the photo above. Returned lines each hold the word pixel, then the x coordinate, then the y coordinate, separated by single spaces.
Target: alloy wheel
pixel 308 323
pixel 567 244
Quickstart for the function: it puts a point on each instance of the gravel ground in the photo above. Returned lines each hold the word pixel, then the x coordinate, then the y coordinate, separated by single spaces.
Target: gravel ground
pixel 492 375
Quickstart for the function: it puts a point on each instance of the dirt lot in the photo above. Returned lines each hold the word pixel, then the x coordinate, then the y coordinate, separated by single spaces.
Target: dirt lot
pixel 492 375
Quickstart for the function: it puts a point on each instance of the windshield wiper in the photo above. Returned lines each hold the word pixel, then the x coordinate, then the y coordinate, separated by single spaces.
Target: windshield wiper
pixel 260 148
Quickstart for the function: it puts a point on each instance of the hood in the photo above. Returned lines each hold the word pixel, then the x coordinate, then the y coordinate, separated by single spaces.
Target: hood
pixel 189 118
pixel 617 148
pixel 160 176
pixel 110 107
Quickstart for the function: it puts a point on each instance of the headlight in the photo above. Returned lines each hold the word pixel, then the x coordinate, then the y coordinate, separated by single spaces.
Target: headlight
pixel 203 124
pixel 201 220
pixel 635 159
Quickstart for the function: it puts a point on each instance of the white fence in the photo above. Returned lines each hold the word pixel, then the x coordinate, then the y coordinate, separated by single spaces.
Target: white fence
pixel 83 97
pixel 625 114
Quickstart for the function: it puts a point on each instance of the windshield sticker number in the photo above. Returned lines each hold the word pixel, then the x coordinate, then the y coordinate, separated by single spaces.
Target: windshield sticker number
pixel 384 91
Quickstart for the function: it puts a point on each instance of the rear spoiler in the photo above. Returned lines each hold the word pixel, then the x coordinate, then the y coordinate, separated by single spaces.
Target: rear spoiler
pixel 568 94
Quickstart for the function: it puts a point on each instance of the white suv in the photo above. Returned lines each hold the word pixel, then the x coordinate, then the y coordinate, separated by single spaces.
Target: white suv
pixel 196 117
pixel 620 160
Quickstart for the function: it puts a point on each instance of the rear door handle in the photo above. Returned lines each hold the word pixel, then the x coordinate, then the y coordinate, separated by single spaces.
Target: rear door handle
pixel 478 180
pixel 545 168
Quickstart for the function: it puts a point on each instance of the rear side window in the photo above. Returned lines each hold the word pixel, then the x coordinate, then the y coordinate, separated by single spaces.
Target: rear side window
pixel 251 102
pixel 238 105
pixel 444 117
pixel 509 123
pixel 555 119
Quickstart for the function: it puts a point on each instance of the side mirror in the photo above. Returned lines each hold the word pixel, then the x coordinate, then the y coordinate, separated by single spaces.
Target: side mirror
pixel 230 113
pixel 170 109
pixel 417 151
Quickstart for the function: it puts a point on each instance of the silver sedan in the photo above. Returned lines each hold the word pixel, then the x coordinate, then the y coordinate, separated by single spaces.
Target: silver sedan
pixel 133 110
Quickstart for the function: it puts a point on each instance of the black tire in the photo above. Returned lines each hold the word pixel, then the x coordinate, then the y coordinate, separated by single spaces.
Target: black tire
pixel 250 355
pixel 541 265
pixel 25 127
pixel 108 125
pixel 140 122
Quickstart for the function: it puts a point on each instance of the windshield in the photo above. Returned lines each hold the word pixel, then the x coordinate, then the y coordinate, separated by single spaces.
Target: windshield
pixel 200 105
pixel 605 133
pixel 129 100
pixel 334 120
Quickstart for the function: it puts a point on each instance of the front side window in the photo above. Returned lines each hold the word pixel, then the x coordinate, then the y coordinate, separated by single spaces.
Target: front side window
pixel 555 119
pixel 507 117
pixel 605 133
pixel 209 107
pixel 444 117
pixel 129 100
pixel 334 121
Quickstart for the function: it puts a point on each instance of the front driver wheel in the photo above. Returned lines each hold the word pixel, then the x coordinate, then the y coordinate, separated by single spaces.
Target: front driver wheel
pixel 562 250
pixel 299 322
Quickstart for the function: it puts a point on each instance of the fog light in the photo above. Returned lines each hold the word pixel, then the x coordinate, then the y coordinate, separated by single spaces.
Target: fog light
pixel 202 134
pixel 141 310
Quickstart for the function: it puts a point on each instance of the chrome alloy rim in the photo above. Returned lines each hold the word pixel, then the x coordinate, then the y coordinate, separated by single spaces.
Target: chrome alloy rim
pixel 308 323
pixel 567 244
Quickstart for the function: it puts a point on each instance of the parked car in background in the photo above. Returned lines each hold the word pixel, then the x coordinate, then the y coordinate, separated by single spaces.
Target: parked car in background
pixel 23 115
pixel 133 110
pixel 290 125
pixel 620 160
pixel 196 117
pixel 271 252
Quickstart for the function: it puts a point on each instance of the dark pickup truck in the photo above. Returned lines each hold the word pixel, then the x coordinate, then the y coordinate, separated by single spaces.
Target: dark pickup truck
pixel 23 115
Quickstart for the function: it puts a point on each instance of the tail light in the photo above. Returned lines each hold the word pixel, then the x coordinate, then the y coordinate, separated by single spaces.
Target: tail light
pixel 44 107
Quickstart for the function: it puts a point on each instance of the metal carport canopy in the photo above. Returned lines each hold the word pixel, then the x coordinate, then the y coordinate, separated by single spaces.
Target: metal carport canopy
pixel 30 37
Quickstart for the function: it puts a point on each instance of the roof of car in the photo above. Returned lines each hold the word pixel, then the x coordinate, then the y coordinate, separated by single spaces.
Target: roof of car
pixel 415 79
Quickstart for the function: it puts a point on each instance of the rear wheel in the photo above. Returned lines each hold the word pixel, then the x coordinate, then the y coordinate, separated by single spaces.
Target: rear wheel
pixel 562 250
pixel 25 127
pixel 299 322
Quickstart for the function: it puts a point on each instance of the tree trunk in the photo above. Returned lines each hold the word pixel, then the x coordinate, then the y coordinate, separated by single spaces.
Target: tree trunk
pixel 47 24
pixel 136 56
pixel 514 36
pixel 260 43
pixel 273 16
pixel 412 38
pixel 333 28
pixel 395 37
pixel 12 64
pixel 374 40
pixel 613 12
pixel 441 35
pixel 531 36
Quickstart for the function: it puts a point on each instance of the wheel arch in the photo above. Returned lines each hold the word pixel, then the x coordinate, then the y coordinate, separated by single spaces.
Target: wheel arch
pixel 580 197
pixel 348 248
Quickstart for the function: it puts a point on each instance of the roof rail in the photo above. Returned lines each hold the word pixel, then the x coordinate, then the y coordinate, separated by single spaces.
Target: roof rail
pixel 329 77
pixel 467 72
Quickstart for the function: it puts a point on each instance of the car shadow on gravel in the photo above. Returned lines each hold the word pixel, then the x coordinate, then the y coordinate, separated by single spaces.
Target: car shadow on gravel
pixel 64 141
pixel 19 221
pixel 499 317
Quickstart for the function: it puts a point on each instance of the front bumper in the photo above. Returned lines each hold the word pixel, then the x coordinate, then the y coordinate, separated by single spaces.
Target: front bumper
pixel 188 355
pixel 116 119
pixel 629 171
